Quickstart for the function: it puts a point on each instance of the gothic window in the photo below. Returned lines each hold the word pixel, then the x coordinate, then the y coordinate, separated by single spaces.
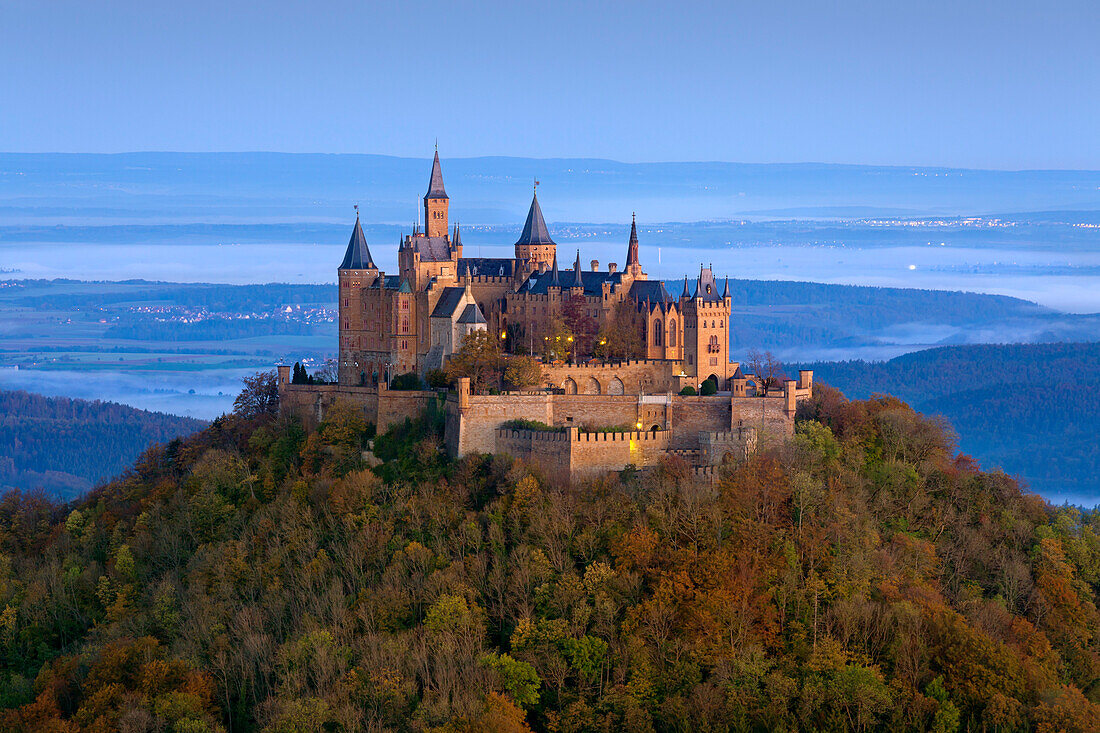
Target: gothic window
pixel 672 333
pixel 657 333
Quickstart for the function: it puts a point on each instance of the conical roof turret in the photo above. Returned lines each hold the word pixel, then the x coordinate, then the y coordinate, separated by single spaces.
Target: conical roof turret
pixel 687 291
pixel 357 256
pixel 435 185
pixel 577 281
pixel 726 289
pixel 534 230
pixel 554 281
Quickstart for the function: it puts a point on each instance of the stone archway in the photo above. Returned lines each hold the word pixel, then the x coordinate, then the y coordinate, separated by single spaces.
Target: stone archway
pixel 592 386
pixel 616 386
pixel 569 386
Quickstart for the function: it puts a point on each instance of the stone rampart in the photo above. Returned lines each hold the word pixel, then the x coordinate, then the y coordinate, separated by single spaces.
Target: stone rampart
pixel 573 454
pixel 382 407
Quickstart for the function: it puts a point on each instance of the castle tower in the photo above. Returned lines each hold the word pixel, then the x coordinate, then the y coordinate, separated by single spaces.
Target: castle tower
pixel 706 329
pixel 436 203
pixel 535 244
pixel 633 265
pixel 356 272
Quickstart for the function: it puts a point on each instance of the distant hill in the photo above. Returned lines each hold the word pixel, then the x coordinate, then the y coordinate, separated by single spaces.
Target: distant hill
pixel 1030 409
pixel 66 446
pixel 497 189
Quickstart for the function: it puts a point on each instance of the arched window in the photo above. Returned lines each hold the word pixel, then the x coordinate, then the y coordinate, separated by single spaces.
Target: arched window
pixel 657 331
pixel 672 333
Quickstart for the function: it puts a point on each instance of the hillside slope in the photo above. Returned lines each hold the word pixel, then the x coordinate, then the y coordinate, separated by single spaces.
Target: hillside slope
pixel 66 446
pixel 257 576
pixel 1031 409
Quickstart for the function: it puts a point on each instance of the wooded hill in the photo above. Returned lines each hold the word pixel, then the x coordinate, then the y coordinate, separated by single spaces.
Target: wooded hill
pixel 257 576
pixel 1030 409
pixel 66 446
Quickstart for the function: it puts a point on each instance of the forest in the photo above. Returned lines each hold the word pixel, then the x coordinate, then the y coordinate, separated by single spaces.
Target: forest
pixel 1030 409
pixel 259 575
pixel 66 446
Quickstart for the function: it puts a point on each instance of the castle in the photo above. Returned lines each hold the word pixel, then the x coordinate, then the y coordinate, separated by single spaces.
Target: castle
pixel 415 320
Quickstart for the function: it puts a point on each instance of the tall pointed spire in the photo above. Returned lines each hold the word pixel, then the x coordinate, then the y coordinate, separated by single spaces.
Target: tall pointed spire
pixel 577 281
pixel 554 281
pixel 357 256
pixel 435 185
pixel 726 289
pixel 687 291
pixel 633 265
pixel 456 240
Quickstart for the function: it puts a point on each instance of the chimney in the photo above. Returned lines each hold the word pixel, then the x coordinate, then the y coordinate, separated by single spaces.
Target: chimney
pixel 612 267
pixel 595 265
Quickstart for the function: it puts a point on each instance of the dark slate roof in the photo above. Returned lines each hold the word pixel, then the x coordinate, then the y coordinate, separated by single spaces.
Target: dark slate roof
pixel 391 282
pixel 471 314
pixel 357 256
pixel 738 374
pixel 652 290
pixel 435 186
pixel 488 266
pixel 577 281
pixel 707 287
pixel 687 290
pixel 539 283
pixel 432 249
pixel 535 231
pixel 448 302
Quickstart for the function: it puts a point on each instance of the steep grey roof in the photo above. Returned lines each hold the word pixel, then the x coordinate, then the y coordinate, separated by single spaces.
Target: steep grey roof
pixel 726 288
pixel 539 283
pixel 488 266
pixel 432 249
pixel 435 186
pixel 535 231
pixel 471 314
pixel 448 302
pixel 687 290
pixel 737 373
pixel 357 256
pixel 577 281
pixel 652 290
pixel 707 287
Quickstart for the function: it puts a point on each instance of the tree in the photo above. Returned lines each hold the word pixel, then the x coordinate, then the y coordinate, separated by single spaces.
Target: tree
pixel 479 358
pixel 708 387
pixel 766 370
pixel 407 381
pixel 581 324
pixel 620 338
pixel 260 396
pixel 688 391
pixel 299 376
pixel 329 373
pixel 522 371
pixel 557 340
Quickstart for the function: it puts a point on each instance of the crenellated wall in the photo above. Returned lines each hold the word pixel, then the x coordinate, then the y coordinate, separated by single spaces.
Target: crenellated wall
pixel 573 454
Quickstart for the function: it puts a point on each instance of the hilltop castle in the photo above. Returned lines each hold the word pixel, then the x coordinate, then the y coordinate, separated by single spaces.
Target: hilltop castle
pixel 413 320
pixel 599 414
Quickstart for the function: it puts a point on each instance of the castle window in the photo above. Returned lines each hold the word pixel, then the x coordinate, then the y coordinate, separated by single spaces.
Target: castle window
pixel 672 333
pixel 345 302
pixel 657 333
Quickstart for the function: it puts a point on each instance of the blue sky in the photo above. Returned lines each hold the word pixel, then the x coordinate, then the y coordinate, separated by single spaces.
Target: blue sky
pixel 1006 84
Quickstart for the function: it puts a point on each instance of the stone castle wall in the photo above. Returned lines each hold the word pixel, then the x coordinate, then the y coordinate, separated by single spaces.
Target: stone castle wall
pixel 572 454
pixel 382 407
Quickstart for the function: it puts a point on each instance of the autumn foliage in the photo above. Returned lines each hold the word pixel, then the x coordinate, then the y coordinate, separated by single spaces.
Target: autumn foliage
pixel 261 577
